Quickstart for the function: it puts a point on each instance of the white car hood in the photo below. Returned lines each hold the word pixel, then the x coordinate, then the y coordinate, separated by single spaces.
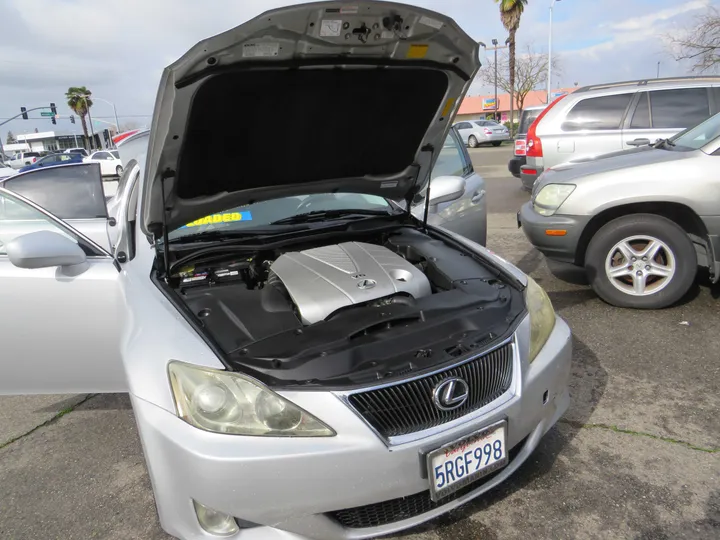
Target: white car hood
pixel 314 98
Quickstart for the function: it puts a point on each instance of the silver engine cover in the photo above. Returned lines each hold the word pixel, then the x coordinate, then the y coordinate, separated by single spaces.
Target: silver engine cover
pixel 325 279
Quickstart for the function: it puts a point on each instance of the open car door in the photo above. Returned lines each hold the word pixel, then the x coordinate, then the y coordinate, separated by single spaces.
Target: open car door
pixel 61 306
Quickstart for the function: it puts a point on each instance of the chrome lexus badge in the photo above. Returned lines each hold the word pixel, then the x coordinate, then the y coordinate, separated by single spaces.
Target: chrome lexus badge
pixel 451 393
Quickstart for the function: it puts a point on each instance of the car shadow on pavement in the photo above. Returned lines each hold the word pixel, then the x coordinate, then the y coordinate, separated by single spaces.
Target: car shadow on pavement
pixel 707 528
pixel 587 385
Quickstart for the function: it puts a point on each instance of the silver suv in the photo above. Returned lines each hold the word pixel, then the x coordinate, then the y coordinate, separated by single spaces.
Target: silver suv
pixel 596 120
pixel 641 221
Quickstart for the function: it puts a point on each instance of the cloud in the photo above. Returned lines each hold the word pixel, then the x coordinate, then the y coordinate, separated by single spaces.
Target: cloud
pixel 644 22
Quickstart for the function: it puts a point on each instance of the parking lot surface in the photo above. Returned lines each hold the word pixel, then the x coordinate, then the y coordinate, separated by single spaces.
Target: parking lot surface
pixel 636 456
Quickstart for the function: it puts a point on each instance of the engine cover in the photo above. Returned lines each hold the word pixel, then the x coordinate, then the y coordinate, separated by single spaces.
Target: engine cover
pixel 325 279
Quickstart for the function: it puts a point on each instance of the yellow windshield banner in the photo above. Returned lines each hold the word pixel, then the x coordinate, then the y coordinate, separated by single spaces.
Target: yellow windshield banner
pixel 227 217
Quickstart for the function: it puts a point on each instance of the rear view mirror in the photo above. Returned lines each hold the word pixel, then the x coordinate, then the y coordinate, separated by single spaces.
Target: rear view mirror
pixel 446 189
pixel 44 249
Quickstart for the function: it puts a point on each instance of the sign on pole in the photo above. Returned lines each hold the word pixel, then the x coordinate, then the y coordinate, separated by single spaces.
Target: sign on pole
pixel 47 113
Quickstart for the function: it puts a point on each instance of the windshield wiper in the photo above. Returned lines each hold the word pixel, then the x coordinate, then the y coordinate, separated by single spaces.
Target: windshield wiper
pixel 329 215
pixel 663 143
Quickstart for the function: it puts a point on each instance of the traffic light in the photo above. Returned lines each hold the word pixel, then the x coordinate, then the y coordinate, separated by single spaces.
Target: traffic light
pixel 54 111
pixel 23 110
pixel 72 119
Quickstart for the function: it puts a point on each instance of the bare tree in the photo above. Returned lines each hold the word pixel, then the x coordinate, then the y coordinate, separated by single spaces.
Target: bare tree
pixel 530 73
pixel 700 43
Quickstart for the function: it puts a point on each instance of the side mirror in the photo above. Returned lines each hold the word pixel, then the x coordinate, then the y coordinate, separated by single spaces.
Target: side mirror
pixel 44 249
pixel 446 189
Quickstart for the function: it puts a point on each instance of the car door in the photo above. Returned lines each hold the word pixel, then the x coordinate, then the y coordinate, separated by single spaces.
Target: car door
pixel 466 215
pixel 47 161
pixel 660 114
pixel 61 325
pixel 74 193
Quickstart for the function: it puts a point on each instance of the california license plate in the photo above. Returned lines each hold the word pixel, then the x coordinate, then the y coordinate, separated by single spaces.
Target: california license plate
pixel 460 463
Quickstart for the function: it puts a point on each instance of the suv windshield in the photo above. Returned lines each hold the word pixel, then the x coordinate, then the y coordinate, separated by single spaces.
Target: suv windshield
pixel 698 136
pixel 265 213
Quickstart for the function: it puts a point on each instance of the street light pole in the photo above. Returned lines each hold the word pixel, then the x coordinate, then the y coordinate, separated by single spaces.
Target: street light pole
pixel 549 77
pixel 117 124
pixel 658 70
pixel 495 48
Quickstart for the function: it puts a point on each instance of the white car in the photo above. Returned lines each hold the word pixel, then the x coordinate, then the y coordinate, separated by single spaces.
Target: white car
pixel 6 170
pixel 109 160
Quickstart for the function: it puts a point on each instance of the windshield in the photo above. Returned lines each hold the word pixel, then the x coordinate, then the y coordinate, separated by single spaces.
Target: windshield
pixel 698 136
pixel 264 214
pixel 115 154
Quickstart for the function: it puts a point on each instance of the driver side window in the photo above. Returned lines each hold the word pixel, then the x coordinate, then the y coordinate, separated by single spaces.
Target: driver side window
pixel 18 218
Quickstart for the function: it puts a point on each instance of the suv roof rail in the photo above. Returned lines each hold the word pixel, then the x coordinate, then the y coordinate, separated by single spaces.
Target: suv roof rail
pixel 647 82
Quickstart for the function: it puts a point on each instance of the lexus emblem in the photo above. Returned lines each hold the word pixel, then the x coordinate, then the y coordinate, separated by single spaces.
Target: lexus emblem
pixel 451 394
pixel 366 284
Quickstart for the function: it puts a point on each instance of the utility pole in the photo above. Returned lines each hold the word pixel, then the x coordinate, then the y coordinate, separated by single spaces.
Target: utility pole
pixel 549 77
pixel 494 48
pixel 658 70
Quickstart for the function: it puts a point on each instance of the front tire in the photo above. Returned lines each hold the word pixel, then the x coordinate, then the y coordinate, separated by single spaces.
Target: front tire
pixel 472 142
pixel 118 170
pixel 641 261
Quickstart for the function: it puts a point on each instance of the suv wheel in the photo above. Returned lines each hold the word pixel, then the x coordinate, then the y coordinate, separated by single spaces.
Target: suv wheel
pixel 497 143
pixel 118 170
pixel 641 261
pixel 472 141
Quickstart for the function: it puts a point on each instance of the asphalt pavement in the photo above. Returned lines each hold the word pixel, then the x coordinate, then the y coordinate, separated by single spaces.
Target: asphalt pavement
pixel 636 456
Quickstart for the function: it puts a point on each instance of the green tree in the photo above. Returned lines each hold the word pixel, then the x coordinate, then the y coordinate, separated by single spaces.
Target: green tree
pixel 10 138
pixel 78 99
pixel 510 12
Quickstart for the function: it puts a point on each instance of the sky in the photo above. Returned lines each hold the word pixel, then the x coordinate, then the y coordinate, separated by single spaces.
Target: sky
pixel 118 48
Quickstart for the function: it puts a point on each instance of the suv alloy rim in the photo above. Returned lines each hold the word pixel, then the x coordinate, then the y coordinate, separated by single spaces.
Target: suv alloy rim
pixel 640 265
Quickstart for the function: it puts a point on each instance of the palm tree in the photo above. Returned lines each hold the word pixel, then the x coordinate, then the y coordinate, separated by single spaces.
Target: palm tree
pixel 510 12
pixel 78 100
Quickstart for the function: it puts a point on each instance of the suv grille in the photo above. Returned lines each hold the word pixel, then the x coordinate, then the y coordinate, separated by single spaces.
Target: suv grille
pixel 409 407
pixel 382 513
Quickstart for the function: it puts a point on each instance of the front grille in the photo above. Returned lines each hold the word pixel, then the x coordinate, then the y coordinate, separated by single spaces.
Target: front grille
pixel 409 407
pixel 378 514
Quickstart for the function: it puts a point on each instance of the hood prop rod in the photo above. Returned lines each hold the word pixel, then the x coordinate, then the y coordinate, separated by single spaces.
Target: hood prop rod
pixel 426 148
pixel 166 241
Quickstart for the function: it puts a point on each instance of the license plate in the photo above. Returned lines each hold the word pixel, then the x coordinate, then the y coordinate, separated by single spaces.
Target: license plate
pixel 460 463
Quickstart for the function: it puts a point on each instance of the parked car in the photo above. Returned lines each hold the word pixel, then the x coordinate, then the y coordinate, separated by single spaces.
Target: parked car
pixel 6 171
pixel 596 120
pixel 51 160
pixel 303 357
pixel 639 221
pixel 21 159
pixel 477 132
pixel 109 161
pixel 527 117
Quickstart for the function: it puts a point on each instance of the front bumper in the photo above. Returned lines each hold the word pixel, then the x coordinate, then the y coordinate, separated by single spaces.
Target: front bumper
pixel 288 487
pixel 560 248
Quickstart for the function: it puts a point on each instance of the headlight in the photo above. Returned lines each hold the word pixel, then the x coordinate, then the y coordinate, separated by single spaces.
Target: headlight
pixel 226 402
pixel 542 316
pixel 551 198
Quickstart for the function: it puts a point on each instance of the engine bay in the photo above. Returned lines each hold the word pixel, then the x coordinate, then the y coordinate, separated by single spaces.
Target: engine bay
pixel 350 312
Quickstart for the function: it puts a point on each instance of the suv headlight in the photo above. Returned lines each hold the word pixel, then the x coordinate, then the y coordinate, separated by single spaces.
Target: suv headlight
pixel 542 316
pixel 551 198
pixel 226 402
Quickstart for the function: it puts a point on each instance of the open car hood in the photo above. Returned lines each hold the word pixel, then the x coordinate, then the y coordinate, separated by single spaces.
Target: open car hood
pixel 315 98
